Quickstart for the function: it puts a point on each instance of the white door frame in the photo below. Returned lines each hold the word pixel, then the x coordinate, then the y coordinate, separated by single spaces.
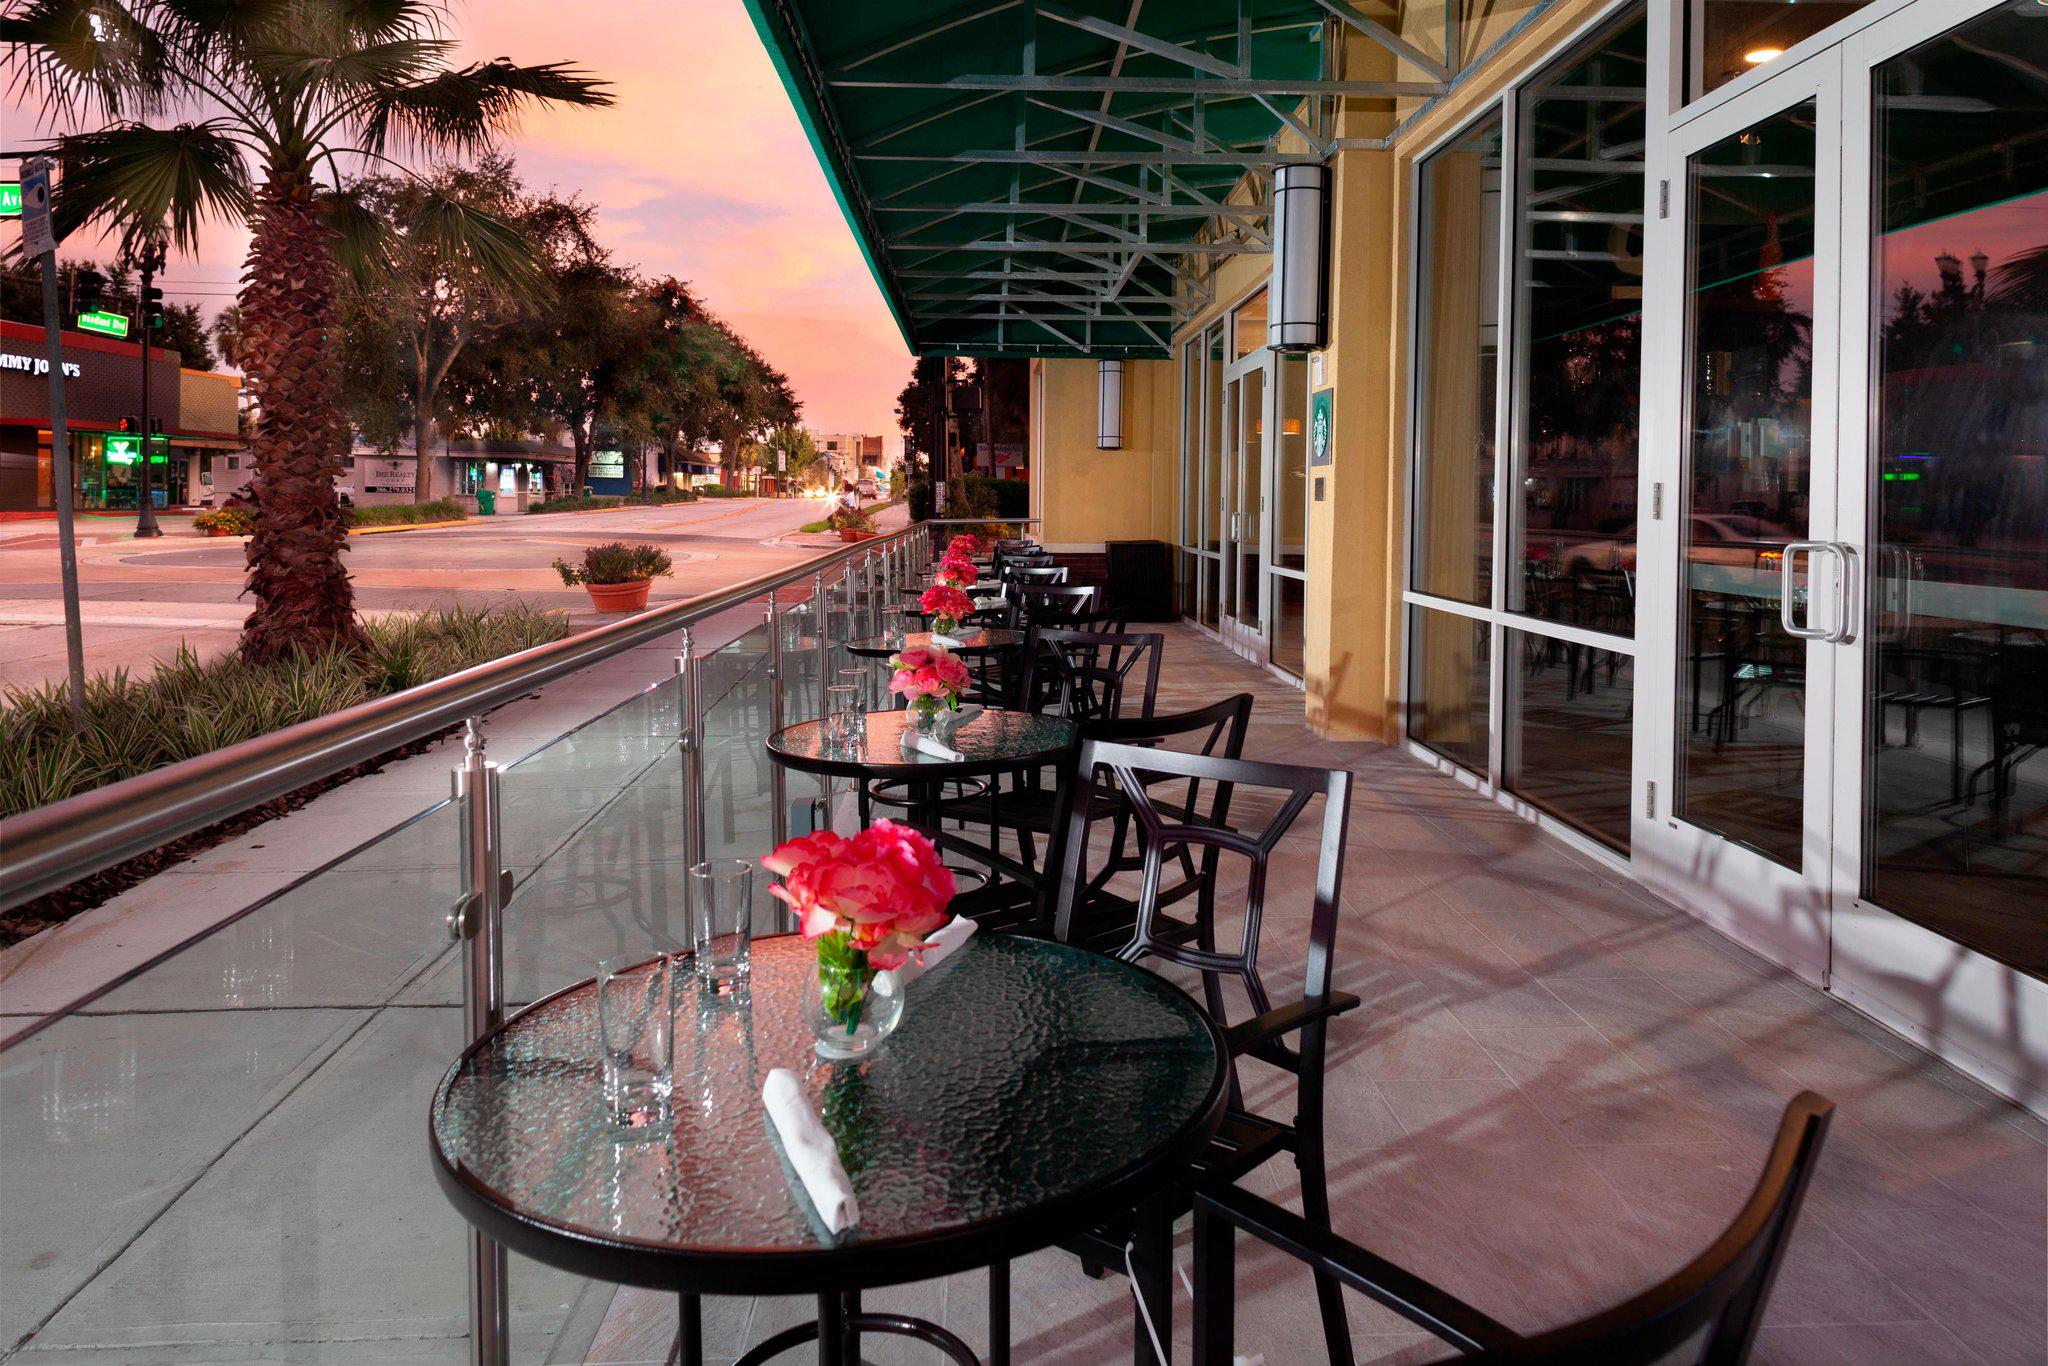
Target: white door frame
pixel 1783 912
pixel 1246 512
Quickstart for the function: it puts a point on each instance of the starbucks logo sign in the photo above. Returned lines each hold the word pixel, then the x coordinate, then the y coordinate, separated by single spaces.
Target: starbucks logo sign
pixel 1319 428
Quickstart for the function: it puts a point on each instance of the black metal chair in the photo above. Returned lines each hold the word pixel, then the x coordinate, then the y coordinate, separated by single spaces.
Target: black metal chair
pixel 1712 1305
pixel 1049 574
pixel 1246 1139
pixel 1037 604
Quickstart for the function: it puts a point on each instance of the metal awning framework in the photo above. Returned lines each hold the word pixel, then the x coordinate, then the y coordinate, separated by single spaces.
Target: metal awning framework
pixel 1037 178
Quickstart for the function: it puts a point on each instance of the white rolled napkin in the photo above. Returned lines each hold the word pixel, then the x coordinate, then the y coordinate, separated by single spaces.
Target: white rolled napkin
pixel 961 716
pixel 947 641
pixel 942 943
pixel 810 1150
pixel 917 742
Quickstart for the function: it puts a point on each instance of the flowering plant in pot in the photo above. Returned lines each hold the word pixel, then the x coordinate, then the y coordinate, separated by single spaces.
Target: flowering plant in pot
pixel 867 904
pixel 928 679
pixel 226 521
pixel 945 605
pixel 617 575
pixel 852 524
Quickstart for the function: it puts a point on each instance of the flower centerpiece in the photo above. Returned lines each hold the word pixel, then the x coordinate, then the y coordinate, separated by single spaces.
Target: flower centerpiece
pixel 946 605
pixel 965 546
pixel 959 573
pixel 867 903
pixel 927 678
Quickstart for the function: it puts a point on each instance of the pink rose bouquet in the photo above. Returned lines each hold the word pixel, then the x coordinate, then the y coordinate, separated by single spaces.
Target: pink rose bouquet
pixel 928 678
pixel 964 546
pixel 946 605
pixel 958 573
pixel 867 903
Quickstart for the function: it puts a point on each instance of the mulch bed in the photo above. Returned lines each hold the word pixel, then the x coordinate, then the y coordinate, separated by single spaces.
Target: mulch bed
pixel 54 908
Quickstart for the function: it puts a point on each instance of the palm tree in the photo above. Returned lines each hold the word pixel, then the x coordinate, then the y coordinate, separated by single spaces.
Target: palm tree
pixel 277 93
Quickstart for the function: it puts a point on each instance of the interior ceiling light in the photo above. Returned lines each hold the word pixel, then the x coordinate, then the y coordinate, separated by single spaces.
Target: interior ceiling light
pixel 1757 56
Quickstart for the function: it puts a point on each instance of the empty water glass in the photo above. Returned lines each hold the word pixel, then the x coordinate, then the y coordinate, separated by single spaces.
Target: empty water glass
pixel 858 680
pixel 636 1022
pixel 722 921
pixel 845 722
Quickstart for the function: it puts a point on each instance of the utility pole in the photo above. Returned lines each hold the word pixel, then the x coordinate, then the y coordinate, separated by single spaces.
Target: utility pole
pixel 37 240
pixel 152 311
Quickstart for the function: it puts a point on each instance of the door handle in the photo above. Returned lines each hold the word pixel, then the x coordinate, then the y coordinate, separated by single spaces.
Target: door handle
pixel 1842 630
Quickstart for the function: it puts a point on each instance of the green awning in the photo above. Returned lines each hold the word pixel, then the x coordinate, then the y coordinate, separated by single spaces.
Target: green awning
pixel 1036 178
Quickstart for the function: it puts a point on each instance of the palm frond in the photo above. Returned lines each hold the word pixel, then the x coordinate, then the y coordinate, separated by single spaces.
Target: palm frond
pixel 144 181
pixel 348 66
pixel 362 242
pixel 71 53
pixel 462 110
pixel 456 230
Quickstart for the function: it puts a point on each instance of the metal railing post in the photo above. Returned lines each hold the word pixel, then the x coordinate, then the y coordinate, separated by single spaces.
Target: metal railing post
pixel 689 670
pixel 476 924
pixel 778 780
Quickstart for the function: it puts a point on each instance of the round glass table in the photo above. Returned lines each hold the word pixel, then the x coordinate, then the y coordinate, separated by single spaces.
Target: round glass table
pixel 1031 1089
pixel 974 640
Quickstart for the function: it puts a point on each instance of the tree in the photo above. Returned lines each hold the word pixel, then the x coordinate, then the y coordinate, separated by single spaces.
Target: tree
pixel 923 438
pixel 461 259
pixel 280 91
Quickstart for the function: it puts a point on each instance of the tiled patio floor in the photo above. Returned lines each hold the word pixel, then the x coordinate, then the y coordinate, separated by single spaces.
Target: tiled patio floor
pixel 1558 1089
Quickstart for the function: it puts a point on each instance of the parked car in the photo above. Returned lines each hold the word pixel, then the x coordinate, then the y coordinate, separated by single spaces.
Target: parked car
pixel 867 489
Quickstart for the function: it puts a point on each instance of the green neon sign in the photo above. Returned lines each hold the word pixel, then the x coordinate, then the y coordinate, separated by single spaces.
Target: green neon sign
pixel 10 199
pixel 108 324
pixel 122 448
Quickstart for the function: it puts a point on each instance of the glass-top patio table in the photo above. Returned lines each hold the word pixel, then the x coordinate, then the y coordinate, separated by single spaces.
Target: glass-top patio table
pixel 1031 1089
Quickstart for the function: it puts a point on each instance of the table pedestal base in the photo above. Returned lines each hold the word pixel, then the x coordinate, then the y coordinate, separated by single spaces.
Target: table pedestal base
pixel 837 1331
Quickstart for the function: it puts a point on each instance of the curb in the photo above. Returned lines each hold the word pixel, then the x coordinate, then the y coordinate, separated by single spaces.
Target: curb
pixel 408 526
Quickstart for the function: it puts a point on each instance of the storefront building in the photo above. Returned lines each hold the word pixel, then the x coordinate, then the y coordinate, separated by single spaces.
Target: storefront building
pixel 194 411
pixel 1682 475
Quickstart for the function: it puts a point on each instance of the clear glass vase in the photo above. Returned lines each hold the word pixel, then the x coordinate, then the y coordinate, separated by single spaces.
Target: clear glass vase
pixel 850 1007
pixel 924 713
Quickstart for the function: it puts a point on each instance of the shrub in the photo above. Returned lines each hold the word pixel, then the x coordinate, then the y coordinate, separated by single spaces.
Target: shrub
pixel 851 519
pixel 404 514
pixel 721 491
pixel 918 493
pixel 616 562
pixel 226 521
pixel 576 504
pixel 186 708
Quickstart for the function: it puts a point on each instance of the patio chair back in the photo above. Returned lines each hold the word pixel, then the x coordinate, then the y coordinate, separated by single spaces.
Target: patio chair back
pixel 1711 1306
pixel 1053 604
pixel 1090 675
pixel 1047 573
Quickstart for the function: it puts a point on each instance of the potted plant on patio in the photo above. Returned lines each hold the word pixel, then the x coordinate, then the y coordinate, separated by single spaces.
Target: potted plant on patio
pixel 617 575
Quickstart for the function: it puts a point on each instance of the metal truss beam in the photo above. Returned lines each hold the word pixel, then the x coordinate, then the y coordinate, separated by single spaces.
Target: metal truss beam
pixel 1086 209
pixel 1247 86
pixel 1031 156
pixel 1386 37
pixel 1143 42
pixel 998 245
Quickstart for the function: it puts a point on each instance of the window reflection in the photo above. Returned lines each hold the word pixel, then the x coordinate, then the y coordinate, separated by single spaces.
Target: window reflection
pixel 1730 38
pixel 1460 339
pixel 1957 719
pixel 1448 677
pixel 1570 732
pixel 1248 326
pixel 1580 282
pixel 1749 464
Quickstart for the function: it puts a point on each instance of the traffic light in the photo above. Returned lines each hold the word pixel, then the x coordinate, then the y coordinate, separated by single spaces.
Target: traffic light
pixel 87 286
pixel 152 307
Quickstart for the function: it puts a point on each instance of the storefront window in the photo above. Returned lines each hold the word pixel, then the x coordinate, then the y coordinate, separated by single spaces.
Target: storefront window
pixel 1570 729
pixel 1248 326
pixel 1730 38
pixel 1449 665
pixel 1579 283
pixel 1290 457
pixel 1957 675
pixel 1458 349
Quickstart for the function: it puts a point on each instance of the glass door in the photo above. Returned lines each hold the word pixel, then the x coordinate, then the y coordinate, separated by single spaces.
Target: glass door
pixel 1244 579
pixel 1755 579
pixel 1941 875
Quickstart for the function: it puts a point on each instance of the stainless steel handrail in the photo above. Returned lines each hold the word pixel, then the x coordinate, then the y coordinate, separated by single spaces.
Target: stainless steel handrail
pixel 53 846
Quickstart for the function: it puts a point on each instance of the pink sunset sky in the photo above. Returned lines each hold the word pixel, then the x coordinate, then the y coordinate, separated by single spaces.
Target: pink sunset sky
pixel 701 170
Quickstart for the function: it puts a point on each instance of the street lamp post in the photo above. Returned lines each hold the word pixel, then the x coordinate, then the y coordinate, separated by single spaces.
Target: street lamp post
pixel 145 517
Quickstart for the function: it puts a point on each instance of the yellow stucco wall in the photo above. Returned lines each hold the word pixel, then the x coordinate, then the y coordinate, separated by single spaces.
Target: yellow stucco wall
pixel 1086 496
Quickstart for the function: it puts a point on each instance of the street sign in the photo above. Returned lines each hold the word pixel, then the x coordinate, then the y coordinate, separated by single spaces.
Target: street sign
pixel 781 462
pixel 10 199
pixel 1321 431
pixel 108 324
pixel 37 239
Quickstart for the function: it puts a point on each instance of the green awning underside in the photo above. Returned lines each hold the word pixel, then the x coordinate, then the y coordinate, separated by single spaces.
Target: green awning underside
pixel 1042 179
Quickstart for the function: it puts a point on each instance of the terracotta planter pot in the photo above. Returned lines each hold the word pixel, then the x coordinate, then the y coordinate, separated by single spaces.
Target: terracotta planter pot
pixel 218 531
pixel 849 534
pixel 618 597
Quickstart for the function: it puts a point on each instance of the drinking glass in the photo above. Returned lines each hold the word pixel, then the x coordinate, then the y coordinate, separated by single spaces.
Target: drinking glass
pixel 722 921
pixel 859 681
pixel 845 723
pixel 636 1023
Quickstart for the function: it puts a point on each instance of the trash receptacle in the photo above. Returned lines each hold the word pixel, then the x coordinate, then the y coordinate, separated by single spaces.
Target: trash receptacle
pixel 1140 584
pixel 486 502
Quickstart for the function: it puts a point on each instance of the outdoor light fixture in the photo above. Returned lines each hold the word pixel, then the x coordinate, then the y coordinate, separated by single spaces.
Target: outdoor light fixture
pixel 1759 55
pixel 1109 405
pixel 1298 316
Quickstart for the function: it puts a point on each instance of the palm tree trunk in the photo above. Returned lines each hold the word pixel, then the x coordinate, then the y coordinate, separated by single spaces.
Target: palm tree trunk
pixel 422 457
pixel 304 600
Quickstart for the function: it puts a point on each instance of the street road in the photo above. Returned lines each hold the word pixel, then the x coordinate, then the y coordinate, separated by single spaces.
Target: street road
pixel 141 598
